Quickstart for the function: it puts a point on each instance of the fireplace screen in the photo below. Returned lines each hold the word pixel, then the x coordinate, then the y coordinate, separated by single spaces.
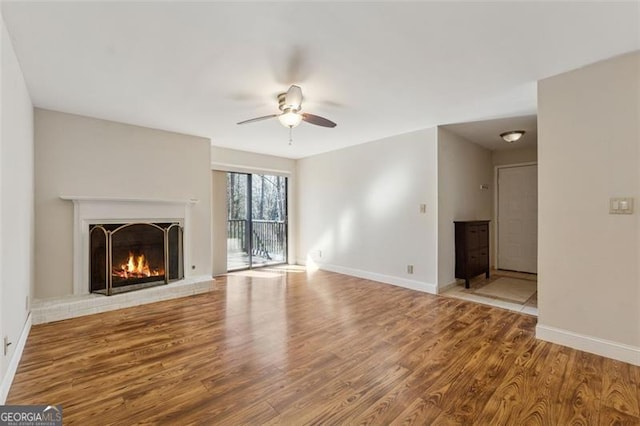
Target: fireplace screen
pixel 131 256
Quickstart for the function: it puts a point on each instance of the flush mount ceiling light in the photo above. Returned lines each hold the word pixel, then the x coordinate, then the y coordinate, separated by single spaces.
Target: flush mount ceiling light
pixel 512 135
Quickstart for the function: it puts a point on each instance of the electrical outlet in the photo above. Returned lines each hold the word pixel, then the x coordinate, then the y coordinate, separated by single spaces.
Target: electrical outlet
pixel 409 269
pixel 315 254
pixel 423 208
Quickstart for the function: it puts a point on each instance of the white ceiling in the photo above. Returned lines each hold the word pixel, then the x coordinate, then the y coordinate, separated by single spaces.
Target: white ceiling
pixel 376 68
pixel 487 132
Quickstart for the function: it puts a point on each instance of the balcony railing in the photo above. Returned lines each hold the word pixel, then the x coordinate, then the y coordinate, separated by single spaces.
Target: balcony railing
pixel 268 237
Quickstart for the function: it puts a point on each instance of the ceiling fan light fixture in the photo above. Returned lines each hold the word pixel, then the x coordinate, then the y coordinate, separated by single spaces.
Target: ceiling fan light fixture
pixel 290 103
pixel 512 135
pixel 290 119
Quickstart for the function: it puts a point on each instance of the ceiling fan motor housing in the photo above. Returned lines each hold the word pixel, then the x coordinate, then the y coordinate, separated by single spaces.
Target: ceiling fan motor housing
pixel 282 104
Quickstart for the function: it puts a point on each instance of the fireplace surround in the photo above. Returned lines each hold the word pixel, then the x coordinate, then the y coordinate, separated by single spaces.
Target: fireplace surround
pixel 90 211
pixel 103 210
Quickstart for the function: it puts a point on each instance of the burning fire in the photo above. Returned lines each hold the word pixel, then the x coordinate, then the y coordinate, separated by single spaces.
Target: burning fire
pixel 136 267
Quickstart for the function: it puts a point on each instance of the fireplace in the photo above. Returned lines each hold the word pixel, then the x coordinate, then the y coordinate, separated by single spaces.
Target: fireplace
pixel 130 256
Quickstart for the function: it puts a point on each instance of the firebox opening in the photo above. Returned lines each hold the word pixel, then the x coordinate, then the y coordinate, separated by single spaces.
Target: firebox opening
pixel 137 255
pixel 137 266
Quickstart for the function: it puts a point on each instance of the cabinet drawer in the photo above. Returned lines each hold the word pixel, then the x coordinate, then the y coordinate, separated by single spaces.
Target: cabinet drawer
pixel 473 237
pixel 478 258
pixel 477 236
pixel 483 235
pixel 483 259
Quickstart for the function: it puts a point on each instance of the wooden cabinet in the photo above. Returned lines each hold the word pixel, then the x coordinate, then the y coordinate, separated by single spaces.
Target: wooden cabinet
pixel 472 249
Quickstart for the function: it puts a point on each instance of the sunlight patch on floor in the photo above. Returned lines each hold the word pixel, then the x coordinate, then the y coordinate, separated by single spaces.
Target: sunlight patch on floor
pixel 288 268
pixel 252 273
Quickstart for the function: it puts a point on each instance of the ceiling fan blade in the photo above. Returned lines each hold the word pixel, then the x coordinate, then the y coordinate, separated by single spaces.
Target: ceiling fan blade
pixel 252 120
pixel 317 120
pixel 293 99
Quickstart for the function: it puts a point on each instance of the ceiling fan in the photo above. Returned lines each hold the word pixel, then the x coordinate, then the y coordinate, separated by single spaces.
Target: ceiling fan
pixel 290 103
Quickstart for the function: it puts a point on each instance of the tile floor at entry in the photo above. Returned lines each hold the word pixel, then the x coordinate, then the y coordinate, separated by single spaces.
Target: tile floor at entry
pixel 528 306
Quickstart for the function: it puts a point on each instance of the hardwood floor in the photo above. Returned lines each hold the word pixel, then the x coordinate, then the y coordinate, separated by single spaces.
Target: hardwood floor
pixel 276 347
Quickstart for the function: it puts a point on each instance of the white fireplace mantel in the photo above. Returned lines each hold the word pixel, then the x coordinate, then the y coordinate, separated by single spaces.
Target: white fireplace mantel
pixel 90 210
pixel 75 198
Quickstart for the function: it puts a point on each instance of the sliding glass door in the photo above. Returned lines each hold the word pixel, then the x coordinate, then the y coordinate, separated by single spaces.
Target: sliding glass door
pixel 257 220
pixel 268 219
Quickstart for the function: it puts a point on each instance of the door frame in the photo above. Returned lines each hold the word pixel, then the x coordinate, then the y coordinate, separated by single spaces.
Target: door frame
pixel 249 227
pixel 496 169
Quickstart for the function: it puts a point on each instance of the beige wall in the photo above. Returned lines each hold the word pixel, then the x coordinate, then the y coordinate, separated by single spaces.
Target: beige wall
pixel 462 168
pixel 232 160
pixel 589 151
pixel 514 156
pixel 219 221
pixel 78 155
pixel 359 210
pixel 16 206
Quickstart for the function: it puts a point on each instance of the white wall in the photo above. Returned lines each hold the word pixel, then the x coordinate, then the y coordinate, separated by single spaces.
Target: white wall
pixel 16 212
pixel 360 207
pixel 589 260
pixel 462 168
pixel 78 155
pixel 230 160
pixel 514 156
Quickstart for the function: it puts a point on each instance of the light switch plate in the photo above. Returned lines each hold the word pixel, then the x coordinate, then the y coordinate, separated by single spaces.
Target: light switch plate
pixel 621 205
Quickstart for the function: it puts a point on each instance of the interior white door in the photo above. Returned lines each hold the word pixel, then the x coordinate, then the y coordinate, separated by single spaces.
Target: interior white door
pixel 518 218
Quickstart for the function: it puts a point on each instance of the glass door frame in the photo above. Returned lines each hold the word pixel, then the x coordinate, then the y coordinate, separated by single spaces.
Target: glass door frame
pixel 249 228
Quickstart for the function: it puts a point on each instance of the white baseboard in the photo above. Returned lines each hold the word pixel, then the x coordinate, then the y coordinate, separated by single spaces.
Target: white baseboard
pixel 7 380
pixel 373 276
pixel 594 345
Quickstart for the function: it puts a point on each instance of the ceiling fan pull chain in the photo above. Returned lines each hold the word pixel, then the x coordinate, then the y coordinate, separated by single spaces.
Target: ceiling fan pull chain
pixel 290 137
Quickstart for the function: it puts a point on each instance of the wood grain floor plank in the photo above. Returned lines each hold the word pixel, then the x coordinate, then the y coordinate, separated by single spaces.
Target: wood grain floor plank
pixel 355 396
pixel 419 412
pixel 582 389
pixel 323 384
pixel 506 403
pixel 469 394
pixel 388 407
pixel 619 388
pixel 278 347
pixel 612 417
pixel 546 380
